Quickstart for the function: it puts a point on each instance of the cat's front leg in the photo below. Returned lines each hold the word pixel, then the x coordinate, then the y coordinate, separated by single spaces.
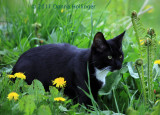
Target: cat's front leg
pixel 81 90
pixel 83 98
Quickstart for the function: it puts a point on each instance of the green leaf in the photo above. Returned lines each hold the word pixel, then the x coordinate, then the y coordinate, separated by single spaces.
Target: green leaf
pixel 54 92
pixel 102 113
pixel 44 110
pixel 111 82
pixel 62 108
pixel 131 111
pixel 37 89
pixel 81 43
pixel 156 110
pixel 24 44
pixel 107 112
pixel 18 83
pixel 131 71
pixel 53 35
pixel 27 105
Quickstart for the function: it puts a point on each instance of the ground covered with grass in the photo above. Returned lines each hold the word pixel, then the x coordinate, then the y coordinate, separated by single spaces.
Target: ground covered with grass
pixel 133 90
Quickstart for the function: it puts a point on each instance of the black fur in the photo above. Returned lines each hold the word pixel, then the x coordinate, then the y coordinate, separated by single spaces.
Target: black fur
pixel 48 62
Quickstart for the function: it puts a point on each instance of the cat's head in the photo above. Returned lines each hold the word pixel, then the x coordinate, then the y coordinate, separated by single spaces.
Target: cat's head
pixel 107 54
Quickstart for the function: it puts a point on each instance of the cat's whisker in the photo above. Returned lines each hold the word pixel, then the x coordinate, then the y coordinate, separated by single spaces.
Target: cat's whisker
pixel 106 68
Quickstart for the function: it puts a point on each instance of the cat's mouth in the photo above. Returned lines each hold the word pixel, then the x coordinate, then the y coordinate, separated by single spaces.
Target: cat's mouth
pixel 112 69
pixel 109 68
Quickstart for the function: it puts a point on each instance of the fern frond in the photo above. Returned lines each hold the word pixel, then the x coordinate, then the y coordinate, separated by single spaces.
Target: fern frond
pixel 138 27
pixel 147 51
pixel 151 50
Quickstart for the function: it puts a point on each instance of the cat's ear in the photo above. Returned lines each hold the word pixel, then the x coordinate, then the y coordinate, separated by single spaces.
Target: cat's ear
pixel 118 39
pixel 99 42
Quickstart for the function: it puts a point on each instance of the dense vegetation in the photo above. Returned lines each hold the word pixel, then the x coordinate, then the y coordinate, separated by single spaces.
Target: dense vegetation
pixel 133 90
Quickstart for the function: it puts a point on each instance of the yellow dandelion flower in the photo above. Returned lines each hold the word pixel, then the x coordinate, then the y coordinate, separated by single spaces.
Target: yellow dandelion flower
pixel 11 76
pixel 59 82
pixel 20 75
pixel 62 10
pixel 149 6
pixel 157 62
pixel 141 42
pixel 157 101
pixel 13 95
pixel 59 99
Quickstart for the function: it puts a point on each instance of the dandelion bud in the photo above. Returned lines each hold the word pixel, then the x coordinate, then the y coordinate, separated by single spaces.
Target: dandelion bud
pixel 36 25
pixel 134 14
pixel 150 31
pixel 148 41
pixel 154 91
pixel 139 62
pixel 41 41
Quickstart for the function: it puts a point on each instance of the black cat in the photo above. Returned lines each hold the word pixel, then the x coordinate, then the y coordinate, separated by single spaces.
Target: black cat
pixel 48 62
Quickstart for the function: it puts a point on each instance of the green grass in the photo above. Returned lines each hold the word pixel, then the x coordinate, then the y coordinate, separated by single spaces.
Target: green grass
pixel 20 30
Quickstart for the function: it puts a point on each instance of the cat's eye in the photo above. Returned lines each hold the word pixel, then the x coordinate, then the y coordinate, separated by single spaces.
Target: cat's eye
pixel 109 57
pixel 120 56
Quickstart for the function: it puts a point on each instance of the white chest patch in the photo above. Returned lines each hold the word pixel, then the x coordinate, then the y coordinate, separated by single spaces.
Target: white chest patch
pixel 101 75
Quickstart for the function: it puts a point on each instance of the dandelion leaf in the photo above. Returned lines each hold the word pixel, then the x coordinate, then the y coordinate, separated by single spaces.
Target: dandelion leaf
pixel 156 110
pixel 131 111
pixel 54 91
pixel 36 88
pixel 27 105
pixel 44 110
pixel 62 108
pixel 112 81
